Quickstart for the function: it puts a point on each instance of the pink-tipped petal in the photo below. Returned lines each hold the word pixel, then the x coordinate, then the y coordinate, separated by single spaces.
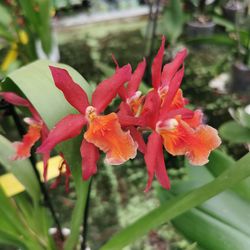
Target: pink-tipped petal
pixel 161 171
pixel 136 78
pixel 108 89
pixel 171 68
pixel 73 93
pixel 157 65
pixel 151 155
pixel 69 127
pixel 90 156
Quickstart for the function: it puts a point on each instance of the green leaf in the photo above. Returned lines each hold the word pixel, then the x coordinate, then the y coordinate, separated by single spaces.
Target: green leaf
pixel 234 132
pixel 179 205
pixel 209 232
pixel 21 169
pixel 217 219
pixel 214 39
pixel 218 163
pixel 173 20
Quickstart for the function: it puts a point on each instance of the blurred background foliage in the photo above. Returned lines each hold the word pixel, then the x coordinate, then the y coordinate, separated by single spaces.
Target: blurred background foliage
pixel 218 41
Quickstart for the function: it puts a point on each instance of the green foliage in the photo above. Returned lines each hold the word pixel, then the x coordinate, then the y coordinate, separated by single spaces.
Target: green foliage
pixel 52 106
pixel 173 21
pixel 180 204
pixel 237 131
pixel 37 13
pixel 19 224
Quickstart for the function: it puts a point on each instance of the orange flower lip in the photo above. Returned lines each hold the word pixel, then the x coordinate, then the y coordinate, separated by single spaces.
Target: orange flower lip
pixel 105 133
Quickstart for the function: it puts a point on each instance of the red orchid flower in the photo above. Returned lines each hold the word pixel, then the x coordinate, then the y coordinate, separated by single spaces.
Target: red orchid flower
pixel 104 132
pixel 37 128
pixel 132 100
pixel 178 129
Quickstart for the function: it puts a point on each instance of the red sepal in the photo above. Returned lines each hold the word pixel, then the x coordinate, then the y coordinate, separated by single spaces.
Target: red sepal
pixel 153 147
pixel 108 88
pixel 173 88
pixel 69 127
pixel 90 156
pixel 171 68
pixel 73 93
pixel 136 78
pixel 157 65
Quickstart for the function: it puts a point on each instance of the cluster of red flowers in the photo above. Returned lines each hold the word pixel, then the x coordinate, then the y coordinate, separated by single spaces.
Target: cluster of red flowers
pixel 162 112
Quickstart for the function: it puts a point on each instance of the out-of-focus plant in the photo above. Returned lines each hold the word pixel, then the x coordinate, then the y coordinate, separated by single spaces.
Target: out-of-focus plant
pixel 25 28
pixel 172 21
pixel 237 131
pixel 24 222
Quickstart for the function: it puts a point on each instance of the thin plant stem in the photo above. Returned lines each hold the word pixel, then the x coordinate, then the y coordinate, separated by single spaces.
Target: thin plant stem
pixel 85 218
pixel 47 200
pixel 154 19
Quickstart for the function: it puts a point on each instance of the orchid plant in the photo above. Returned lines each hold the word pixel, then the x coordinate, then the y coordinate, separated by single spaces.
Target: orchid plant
pixel 162 111
pixel 146 122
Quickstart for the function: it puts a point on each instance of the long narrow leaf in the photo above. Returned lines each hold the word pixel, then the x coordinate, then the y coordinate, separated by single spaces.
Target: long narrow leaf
pixel 179 205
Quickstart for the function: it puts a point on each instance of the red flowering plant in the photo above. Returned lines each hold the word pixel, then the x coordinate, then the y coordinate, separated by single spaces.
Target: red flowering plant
pixel 103 132
pixel 37 130
pixel 162 111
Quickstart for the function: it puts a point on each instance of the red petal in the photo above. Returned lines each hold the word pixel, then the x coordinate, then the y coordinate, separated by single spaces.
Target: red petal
pixel 122 92
pixel 184 112
pixel 90 156
pixel 137 136
pixel 136 78
pixel 170 69
pixel 73 93
pixel 14 99
pixel 161 172
pixel 173 88
pixel 69 127
pixel 157 65
pixel 150 112
pixel 151 156
pixel 108 89
pixel 17 100
pixel 126 118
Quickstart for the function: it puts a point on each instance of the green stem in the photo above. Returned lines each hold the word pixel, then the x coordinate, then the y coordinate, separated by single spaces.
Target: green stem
pixel 180 204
